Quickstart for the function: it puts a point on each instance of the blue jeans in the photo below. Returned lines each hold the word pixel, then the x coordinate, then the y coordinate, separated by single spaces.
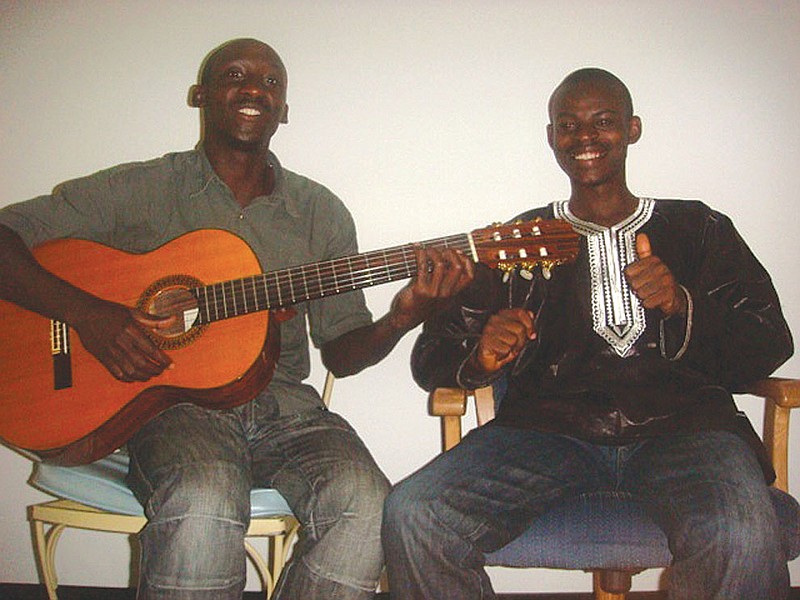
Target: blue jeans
pixel 706 490
pixel 193 470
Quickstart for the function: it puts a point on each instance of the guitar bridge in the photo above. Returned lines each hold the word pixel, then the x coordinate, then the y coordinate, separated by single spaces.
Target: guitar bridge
pixel 60 349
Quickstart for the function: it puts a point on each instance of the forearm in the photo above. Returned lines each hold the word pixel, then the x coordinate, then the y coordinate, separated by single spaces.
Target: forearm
pixel 441 275
pixel 25 282
pixel 360 348
pixel 739 339
pixel 436 361
pixel 733 330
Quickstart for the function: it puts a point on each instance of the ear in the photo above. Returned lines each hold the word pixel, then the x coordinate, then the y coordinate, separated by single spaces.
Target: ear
pixel 197 96
pixel 634 130
pixel 285 116
pixel 550 135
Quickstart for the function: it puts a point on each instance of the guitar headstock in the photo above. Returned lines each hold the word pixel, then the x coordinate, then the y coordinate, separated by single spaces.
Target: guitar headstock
pixel 542 242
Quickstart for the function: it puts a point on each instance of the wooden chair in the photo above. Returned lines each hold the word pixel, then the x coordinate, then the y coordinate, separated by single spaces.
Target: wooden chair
pixel 610 535
pixel 95 497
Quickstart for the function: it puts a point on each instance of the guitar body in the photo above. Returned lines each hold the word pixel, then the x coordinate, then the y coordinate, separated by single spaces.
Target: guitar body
pixel 218 365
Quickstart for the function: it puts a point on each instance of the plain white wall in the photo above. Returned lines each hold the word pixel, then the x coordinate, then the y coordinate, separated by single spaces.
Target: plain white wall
pixel 427 118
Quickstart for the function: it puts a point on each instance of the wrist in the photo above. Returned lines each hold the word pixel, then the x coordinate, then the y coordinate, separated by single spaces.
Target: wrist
pixel 680 304
pixel 471 374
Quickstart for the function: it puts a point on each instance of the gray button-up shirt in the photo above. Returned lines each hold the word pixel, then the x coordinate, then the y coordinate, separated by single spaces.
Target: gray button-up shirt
pixel 138 207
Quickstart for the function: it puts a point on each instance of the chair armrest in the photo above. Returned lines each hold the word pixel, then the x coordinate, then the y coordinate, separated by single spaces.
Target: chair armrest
pixel 780 395
pixel 450 404
pixel 446 402
pixel 781 391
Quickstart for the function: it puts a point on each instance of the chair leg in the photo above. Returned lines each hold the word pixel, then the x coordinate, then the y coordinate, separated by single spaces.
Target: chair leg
pixel 611 585
pixel 383 584
pixel 277 552
pixel 45 548
pixel 261 566
pixel 279 548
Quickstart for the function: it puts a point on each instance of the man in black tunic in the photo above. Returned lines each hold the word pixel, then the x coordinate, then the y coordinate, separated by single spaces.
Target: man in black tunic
pixel 615 373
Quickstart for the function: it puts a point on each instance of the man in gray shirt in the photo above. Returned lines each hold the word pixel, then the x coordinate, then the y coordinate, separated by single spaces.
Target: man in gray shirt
pixel 191 467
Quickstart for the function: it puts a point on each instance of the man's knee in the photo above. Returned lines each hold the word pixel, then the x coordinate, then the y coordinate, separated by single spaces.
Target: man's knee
pixel 201 554
pixel 194 538
pixel 355 493
pixel 407 512
pixel 748 530
pixel 739 522
pixel 214 489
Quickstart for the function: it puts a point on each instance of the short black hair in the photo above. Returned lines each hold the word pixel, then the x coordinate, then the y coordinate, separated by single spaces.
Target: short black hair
pixel 594 74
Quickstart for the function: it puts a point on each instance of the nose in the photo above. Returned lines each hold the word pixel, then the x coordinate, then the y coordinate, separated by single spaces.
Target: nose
pixel 253 86
pixel 587 131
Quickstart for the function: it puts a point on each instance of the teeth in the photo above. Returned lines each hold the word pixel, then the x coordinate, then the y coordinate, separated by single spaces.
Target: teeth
pixel 250 112
pixel 587 156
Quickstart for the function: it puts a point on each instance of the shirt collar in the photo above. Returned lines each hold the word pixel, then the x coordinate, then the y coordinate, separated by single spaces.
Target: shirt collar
pixel 280 194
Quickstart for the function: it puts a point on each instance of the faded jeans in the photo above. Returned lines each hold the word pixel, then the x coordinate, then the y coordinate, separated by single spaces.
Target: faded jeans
pixel 193 470
pixel 705 490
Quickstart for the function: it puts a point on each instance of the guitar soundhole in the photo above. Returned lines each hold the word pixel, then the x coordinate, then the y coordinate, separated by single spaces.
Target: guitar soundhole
pixel 171 296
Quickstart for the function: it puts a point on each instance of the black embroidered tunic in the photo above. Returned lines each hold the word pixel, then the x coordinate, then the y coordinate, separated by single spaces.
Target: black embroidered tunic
pixel 603 368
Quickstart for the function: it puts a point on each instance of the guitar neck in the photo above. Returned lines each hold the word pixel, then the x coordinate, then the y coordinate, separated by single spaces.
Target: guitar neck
pixel 286 287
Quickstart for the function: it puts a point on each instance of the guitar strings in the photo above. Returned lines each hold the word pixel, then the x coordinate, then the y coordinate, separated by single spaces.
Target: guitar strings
pixel 288 286
pixel 285 287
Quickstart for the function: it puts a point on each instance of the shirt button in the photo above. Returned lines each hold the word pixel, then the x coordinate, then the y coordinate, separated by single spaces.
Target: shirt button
pixel 241 216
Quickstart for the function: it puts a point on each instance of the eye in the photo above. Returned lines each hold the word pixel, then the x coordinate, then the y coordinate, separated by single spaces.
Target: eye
pixel 234 73
pixel 566 125
pixel 271 81
pixel 605 122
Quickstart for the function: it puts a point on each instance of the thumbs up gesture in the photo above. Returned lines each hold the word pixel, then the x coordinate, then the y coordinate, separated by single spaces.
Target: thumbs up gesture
pixel 643 249
pixel 653 282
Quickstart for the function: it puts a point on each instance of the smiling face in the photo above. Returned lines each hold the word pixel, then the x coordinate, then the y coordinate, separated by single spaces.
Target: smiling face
pixel 243 95
pixel 590 128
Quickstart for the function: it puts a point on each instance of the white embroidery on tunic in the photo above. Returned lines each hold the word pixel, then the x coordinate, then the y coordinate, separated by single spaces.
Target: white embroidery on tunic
pixel 617 315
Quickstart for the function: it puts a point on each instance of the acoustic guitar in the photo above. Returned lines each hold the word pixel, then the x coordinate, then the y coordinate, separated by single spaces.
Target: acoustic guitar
pixel 59 404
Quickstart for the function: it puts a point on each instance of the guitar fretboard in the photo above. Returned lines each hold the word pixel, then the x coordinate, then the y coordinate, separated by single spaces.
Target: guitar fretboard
pixel 283 288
